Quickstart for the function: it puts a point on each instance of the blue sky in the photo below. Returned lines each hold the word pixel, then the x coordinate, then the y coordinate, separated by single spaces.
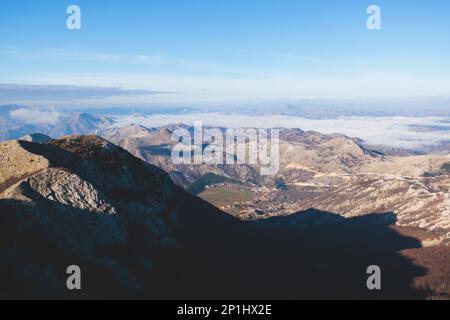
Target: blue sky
pixel 166 51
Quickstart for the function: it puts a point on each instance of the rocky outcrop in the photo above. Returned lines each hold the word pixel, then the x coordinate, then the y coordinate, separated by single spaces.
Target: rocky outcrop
pixel 82 201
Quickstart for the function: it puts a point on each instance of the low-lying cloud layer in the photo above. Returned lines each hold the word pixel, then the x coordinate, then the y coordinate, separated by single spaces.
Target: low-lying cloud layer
pixel 402 132
pixel 35 116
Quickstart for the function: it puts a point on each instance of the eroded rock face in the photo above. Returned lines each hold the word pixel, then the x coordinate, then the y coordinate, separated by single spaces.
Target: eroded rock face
pixel 69 189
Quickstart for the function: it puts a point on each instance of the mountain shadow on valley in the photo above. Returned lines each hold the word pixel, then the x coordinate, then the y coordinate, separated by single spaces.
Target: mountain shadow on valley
pixel 293 257
pixel 279 258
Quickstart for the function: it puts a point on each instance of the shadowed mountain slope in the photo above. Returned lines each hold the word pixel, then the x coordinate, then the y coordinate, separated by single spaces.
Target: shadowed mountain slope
pixel 82 201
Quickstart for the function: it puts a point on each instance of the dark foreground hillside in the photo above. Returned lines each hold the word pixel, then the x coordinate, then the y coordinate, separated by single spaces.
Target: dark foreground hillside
pixel 82 201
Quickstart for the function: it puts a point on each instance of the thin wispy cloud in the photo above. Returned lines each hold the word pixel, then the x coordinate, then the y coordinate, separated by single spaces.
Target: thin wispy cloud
pixel 197 80
pixel 197 88
pixel 140 59
pixel 20 92
pixel 281 55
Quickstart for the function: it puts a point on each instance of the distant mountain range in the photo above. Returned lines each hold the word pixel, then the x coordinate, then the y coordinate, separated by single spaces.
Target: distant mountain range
pixel 327 172
pixel 17 121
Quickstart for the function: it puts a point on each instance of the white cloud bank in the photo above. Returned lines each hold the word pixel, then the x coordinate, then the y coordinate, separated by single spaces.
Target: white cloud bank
pixel 389 131
pixel 35 116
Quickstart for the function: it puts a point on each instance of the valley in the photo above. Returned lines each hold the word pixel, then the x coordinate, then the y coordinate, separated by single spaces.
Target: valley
pixel 326 172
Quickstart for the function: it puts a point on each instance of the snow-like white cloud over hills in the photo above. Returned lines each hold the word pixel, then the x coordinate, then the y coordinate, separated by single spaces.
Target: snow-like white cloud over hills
pixel 402 132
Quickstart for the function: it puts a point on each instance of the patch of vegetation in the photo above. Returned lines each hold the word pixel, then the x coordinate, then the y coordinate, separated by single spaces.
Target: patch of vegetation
pixel 428 175
pixel 280 184
pixel 206 180
pixel 446 168
pixel 227 195
pixel 161 150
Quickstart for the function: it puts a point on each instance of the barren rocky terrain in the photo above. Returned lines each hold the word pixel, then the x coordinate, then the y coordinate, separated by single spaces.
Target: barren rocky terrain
pixel 331 173
pixel 83 200
pixel 327 172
